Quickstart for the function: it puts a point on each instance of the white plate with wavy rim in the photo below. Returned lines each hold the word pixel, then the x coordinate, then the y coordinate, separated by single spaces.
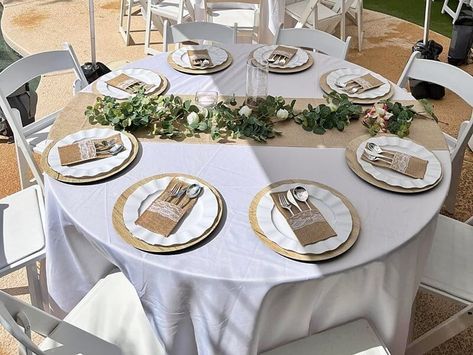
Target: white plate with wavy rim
pixel 217 55
pixel 275 227
pixel 94 167
pixel 198 220
pixel 347 74
pixel 390 177
pixel 146 76
pixel 263 53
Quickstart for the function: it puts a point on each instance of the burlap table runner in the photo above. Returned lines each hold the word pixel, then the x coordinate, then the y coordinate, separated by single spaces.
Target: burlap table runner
pixel 423 131
pixel 309 225
pixel 166 211
pixel 403 163
pixel 86 150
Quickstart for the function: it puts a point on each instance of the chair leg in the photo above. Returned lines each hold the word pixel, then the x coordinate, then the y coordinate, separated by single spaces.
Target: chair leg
pixel 128 22
pixel 441 333
pixel 359 25
pixel 148 28
pixel 34 285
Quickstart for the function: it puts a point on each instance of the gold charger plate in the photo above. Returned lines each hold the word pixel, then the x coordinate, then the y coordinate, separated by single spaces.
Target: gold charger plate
pixel 119 224
pixel 75 180
pixel 215 69
pixel 327 89
pixel 305 257
pixel 352 161
pixel 160 90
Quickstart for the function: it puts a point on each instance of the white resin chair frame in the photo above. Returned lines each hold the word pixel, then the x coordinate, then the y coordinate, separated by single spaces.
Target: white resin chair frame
pixel 16 75
pixel 126 9
pixel 448 274
pixel 455 13
pixel 205 31
pixel 238 8
pixel 19 319
pixel 309 38
pixel 174 11
pixel 327 24
pixel 458 82
pixel 355 337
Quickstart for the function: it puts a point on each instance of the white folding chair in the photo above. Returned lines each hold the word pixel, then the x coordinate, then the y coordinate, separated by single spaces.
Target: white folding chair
pixel 175 11
pixel 455 13
pixel 22 241
pixel 448 273
pixel 109 320
pixel 315 39
pixel 245 13
pixel 126 9
pixel 314 14
pixel 197 31
pixel 355 14
pixel 34 136
pixel 356 337
pixel 458 82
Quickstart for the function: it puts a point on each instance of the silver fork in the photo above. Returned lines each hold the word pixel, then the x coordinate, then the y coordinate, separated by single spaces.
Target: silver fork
pixel 285 203
pixel 372 157
pixel 175 190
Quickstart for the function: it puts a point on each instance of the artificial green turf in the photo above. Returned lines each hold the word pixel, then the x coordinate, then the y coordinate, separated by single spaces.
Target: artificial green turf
pixel 413 11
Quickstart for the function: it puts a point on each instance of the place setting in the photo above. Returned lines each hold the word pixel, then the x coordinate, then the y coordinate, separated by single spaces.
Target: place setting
pixel 123 84
pixel 283 59
pixel 304 220
pixel 167 213
pixel 89 155
pixel 199 59
pixel 360 85
pixel 393 163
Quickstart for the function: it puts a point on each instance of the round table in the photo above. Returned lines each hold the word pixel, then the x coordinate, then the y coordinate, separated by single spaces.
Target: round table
pixel 233 295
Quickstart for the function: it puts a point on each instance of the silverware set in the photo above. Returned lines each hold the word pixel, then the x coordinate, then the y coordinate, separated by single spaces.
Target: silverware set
pixel 299 193
pixel 202 63
pixel 349 86
pixel 108 147
pixel 277 59
pixel 178 190
pixel 374 152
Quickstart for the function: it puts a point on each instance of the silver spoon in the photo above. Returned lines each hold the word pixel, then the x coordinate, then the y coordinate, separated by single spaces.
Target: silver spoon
pixel 301 194
pixel 373 147
pixel 192 191
pixel 292 200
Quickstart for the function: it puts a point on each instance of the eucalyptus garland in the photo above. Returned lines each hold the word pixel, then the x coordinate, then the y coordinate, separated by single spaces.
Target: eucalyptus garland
pixel 170 116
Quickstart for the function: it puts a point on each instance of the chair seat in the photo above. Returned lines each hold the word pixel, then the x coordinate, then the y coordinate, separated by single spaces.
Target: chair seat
pixel 22 238
pixel 356 337
pixel 169 9
pixel 39 140
pixel 245 18
pixel 296 10
pixel 112 311
pixel 450 264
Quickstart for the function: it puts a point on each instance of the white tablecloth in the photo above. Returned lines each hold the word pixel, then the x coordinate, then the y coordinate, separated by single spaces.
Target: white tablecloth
pixel 233 295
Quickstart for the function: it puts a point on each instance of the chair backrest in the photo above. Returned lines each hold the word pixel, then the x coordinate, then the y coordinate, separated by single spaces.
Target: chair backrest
pixel 340 7
pixel 15 313
pixel 315 39
pixel 452 78
pixel 167 10
pixel 21 72
pixel 198 31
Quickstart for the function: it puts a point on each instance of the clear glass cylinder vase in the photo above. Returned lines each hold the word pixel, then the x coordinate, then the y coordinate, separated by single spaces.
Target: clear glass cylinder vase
pixel 256 82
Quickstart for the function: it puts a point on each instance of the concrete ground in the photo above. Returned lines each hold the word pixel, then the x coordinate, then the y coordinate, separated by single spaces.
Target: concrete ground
pixel 37 25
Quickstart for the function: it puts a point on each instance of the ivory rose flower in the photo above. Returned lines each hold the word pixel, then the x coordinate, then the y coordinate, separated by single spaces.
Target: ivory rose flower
pixel 192 118
pixel 245 111
pixel 282 114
